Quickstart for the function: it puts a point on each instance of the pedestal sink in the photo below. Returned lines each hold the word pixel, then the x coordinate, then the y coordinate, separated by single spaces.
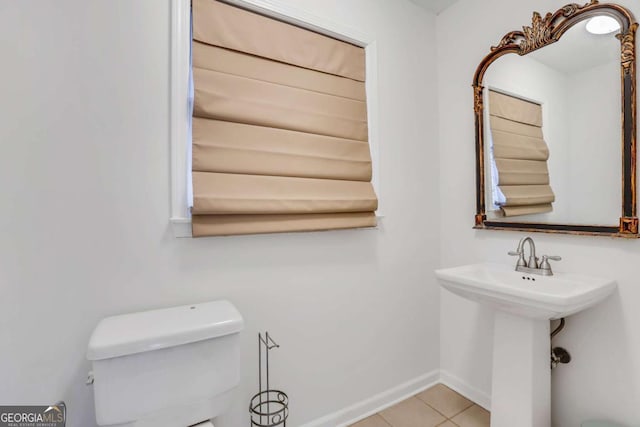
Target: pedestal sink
pixel 524 303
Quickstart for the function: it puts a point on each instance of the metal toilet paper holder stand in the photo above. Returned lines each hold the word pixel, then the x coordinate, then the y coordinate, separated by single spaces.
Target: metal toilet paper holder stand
pixel 268 408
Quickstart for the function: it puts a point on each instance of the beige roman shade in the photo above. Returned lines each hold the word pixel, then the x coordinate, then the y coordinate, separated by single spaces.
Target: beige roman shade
pixel 520 155
pixel 279 127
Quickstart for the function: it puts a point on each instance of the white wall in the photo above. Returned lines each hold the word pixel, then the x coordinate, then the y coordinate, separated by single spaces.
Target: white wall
pixel 84 194
pixel 603 380
pixel 596 137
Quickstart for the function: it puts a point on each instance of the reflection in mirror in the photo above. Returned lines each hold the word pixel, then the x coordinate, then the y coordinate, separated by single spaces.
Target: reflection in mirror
pixel 564 168
pixel 519 183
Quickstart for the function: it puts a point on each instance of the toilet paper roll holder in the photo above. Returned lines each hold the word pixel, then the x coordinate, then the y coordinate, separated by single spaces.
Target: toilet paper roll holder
pixel 268 408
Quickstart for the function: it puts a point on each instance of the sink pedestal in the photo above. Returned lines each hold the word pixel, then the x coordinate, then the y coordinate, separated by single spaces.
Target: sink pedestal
pixel 521 379
pixel 521 395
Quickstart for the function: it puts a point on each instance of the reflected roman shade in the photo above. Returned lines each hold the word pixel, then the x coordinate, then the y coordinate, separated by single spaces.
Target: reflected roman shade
pixel 520 155
pixel 279 127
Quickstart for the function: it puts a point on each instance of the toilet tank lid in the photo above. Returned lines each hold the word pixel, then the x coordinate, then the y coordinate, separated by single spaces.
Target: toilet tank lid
pixel 168 327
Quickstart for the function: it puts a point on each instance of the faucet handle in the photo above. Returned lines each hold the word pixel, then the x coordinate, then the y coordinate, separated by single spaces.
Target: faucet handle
pixel 544 265
pixel 519 253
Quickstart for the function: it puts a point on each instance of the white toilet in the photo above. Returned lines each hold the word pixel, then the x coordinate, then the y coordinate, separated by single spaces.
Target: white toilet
pixel 173 367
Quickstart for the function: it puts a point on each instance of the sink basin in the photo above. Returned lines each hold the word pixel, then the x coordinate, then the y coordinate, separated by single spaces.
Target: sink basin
pixel 523 294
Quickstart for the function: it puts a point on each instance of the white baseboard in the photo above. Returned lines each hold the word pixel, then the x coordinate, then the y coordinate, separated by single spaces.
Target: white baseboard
pixel 377 403
pixel 381 401
pixel 477 396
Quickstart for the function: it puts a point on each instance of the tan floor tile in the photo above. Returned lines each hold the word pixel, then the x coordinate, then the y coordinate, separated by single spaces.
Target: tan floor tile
pixel 372 421
pixel 447 424
pixel 412 413
pixel 475 416
pixel 444 400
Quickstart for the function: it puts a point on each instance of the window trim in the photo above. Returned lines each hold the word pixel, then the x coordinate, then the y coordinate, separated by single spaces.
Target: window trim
pixel 180 217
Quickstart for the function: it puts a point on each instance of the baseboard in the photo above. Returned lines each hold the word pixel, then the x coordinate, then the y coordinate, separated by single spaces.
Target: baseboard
pixel 381 401
pixel 370 406
pixel 477 396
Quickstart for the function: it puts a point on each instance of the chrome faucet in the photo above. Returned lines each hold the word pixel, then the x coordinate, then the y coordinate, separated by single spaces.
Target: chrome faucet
pixel 532 266
pixel 533 260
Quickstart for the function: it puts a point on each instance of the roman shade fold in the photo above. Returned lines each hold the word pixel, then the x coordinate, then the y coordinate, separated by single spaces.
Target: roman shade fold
pixel 512 140
pixel 219 24
pixel 255 194
pixel 221 225
pixel 220 146
pixel 279 128
pixel 527 210
pixel 515 109
pixel 519 155
pixel 227 61
pixel 523 195
pixel 243 100
pixel 522 172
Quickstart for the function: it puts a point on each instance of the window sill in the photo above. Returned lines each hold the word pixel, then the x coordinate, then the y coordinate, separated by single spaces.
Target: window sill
pixel 182 226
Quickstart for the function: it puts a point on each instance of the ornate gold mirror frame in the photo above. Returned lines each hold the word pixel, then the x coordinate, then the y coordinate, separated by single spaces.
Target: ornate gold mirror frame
pixel 545 31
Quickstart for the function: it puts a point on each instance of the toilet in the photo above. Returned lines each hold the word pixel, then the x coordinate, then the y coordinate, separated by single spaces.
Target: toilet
pixel 174 367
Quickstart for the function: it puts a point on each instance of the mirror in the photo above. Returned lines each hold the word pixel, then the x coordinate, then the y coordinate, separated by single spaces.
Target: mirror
pixel 550 151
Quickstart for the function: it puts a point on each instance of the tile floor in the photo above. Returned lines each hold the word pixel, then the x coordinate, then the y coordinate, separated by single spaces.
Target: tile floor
pixel 437 406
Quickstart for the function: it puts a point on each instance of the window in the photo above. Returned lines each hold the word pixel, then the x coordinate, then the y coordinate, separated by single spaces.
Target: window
pixel 519 181
pixel 180 113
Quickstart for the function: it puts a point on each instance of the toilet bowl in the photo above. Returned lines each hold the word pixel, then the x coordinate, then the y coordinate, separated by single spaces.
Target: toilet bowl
pixel 174 367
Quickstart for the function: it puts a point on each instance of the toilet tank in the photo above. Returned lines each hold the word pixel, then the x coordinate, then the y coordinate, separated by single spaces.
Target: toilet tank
pixel 171 367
